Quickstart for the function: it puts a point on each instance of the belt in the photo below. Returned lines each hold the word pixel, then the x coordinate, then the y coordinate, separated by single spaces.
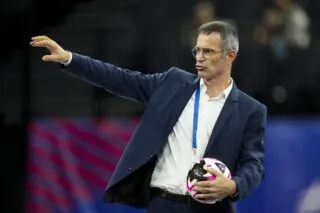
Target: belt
pixel 185 199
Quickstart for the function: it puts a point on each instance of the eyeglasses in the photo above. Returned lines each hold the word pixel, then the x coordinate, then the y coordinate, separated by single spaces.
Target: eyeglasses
pixel 207 52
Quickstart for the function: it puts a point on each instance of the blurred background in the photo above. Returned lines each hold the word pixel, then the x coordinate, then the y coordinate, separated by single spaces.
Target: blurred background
pixel 61 138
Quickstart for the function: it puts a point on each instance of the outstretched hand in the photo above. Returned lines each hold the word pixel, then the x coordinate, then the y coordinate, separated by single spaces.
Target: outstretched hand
pixel 57 53
pixel 218 188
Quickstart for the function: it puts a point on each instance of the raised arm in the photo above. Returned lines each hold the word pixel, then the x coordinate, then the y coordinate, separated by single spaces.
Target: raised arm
pixel 120 82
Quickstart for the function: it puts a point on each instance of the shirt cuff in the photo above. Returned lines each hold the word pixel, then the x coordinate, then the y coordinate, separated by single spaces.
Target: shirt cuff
pixel 69 61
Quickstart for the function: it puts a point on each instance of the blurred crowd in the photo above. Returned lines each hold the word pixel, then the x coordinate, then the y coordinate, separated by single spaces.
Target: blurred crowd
pixel 279 41
pixel 279 47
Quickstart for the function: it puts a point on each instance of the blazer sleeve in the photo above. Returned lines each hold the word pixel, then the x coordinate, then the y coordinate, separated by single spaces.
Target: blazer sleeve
pixel 118 81
pixel 251 170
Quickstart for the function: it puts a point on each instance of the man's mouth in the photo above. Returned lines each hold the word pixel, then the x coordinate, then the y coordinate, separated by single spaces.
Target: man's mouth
pixel 200 68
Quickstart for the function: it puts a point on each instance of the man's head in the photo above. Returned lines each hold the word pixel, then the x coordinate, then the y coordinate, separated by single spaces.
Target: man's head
pixel 283 4
pixel 217 47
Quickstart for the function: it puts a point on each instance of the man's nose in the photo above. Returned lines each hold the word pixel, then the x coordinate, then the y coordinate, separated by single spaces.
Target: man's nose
pixel 200 58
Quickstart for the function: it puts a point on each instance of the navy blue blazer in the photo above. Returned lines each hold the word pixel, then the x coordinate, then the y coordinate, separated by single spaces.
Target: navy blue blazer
pixel 237 138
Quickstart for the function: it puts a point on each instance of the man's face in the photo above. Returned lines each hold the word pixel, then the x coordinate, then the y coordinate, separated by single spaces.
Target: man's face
pixel 210 61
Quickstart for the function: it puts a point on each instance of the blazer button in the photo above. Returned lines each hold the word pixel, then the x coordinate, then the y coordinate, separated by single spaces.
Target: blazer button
pixel 151 155
pixel 129 168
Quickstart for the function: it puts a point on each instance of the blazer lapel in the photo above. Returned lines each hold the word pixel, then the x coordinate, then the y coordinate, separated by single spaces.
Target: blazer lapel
pixel 226 112
pixel 181 99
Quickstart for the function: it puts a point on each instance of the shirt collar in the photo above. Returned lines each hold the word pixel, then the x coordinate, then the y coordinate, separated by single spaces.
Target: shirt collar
pixel 225 93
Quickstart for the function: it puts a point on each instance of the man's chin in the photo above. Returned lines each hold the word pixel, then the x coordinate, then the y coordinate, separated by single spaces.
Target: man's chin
pixel 201 74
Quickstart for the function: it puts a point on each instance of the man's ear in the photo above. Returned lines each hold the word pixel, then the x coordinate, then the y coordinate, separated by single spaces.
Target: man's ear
pixel 231 56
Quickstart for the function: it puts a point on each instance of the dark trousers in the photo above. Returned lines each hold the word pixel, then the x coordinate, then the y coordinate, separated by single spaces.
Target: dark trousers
pixel 162 205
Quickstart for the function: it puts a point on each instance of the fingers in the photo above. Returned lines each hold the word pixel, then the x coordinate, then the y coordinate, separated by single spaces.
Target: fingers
pixel 205 193
pixel 42 43
pixel 206 196
pixel 193 181
pixel 208 192
pixel 39 38
pixel 205 190
pixel 212 171
pixel 58 54
pixel 204 184
pixel 49 58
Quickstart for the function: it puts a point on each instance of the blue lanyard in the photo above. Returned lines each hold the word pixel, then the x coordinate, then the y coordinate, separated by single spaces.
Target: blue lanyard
pixel 195 118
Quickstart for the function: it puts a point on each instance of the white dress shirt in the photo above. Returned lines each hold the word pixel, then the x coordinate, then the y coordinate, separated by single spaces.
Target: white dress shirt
pixel 178 156
pixel 69 60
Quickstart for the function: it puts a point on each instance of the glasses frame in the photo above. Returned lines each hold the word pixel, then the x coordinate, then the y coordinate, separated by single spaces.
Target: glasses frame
pixel 206 52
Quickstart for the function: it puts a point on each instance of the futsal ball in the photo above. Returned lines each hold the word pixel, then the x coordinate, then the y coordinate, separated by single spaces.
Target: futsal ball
pixel 198 173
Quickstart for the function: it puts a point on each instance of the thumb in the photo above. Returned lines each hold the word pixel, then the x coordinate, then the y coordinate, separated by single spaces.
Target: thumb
pixel 49 58
pixel 212 171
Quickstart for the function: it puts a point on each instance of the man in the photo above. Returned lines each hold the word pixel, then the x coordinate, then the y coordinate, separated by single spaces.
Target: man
pixel 188 117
